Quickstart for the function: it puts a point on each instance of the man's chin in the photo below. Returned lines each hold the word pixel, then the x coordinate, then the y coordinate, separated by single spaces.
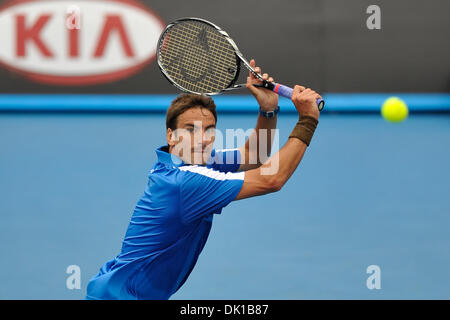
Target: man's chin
pixel 199 158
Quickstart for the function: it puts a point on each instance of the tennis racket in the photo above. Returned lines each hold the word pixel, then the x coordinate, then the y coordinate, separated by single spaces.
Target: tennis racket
pixel 197 56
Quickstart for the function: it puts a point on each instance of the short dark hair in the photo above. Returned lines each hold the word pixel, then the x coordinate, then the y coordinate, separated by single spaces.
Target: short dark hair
pixel 187 101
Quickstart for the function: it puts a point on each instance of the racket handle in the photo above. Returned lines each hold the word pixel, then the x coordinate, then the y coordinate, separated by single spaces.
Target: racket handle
pixel 286 92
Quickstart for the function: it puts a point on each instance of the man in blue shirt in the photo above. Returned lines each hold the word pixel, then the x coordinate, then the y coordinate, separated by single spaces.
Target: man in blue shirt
pixel 188 184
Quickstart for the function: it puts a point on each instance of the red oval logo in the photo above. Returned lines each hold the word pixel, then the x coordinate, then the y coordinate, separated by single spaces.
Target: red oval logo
pixel 80 42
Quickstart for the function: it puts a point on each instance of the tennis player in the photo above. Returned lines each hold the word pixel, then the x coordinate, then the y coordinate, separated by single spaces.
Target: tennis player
pixel 173 218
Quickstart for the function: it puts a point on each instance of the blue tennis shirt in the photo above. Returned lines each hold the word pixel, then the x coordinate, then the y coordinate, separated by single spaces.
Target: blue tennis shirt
pixel 169 227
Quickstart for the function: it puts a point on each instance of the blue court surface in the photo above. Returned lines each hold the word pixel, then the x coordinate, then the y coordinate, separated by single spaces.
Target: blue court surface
pixel 368 192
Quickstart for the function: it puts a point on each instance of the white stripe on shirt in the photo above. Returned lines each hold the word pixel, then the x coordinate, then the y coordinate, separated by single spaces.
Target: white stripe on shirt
pixel 214 174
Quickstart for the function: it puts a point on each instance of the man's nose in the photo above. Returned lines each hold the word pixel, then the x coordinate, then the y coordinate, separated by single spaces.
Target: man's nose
pixel 203 135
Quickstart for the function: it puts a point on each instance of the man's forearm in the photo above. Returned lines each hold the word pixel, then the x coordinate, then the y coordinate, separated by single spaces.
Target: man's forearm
pixel 286 160
pixel 284 163
pixel 265 179
pixel 261 135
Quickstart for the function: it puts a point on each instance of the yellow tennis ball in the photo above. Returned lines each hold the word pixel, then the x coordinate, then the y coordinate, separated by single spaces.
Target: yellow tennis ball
pixel 394 110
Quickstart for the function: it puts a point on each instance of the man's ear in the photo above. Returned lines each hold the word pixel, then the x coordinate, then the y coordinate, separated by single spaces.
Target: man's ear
pixel 170 138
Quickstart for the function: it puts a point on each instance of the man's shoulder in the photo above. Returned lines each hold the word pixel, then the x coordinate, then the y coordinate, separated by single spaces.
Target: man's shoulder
pixel 176 175
pixel 164 175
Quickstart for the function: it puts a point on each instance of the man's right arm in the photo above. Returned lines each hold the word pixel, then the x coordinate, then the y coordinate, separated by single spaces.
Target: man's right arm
pixel 264 179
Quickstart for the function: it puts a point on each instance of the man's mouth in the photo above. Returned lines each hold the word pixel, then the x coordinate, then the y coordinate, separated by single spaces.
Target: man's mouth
pixel 199 151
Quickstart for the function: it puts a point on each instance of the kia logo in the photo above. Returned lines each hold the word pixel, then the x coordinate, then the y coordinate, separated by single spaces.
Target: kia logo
pixel 77 42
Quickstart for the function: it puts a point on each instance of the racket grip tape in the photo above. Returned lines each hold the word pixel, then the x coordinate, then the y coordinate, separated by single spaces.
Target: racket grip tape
pixel 286 92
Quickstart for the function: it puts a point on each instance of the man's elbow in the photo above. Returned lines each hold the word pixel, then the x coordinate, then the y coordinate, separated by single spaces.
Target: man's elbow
pixel 275 183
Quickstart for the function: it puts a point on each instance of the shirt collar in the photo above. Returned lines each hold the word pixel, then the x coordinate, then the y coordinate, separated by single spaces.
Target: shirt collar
pixel 167 158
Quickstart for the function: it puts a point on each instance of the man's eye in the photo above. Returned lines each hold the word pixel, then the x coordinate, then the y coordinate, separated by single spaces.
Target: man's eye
pixel 210 132
pixel 190 129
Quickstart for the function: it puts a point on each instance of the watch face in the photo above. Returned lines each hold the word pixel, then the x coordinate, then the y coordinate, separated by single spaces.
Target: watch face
pixel 269 114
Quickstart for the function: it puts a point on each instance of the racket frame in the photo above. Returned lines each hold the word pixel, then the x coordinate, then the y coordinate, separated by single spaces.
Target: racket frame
pixel 239 58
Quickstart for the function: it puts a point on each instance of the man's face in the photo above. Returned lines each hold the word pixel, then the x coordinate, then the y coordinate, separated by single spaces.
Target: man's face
pixel 193 139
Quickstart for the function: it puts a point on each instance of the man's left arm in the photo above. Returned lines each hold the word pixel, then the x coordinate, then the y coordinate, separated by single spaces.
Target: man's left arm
pixel 258 146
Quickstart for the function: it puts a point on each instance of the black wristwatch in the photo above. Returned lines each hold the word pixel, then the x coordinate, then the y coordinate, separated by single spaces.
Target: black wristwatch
pixel 269 114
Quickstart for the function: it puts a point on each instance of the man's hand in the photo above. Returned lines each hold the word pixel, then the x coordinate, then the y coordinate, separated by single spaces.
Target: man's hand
pixel 305 101
pixel 267 99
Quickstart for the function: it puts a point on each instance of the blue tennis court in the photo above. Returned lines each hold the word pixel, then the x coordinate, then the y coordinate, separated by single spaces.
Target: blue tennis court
pixel 367 193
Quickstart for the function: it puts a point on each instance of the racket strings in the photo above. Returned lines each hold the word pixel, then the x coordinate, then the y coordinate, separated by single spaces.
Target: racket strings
pixel 197 57
pixel 195 64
